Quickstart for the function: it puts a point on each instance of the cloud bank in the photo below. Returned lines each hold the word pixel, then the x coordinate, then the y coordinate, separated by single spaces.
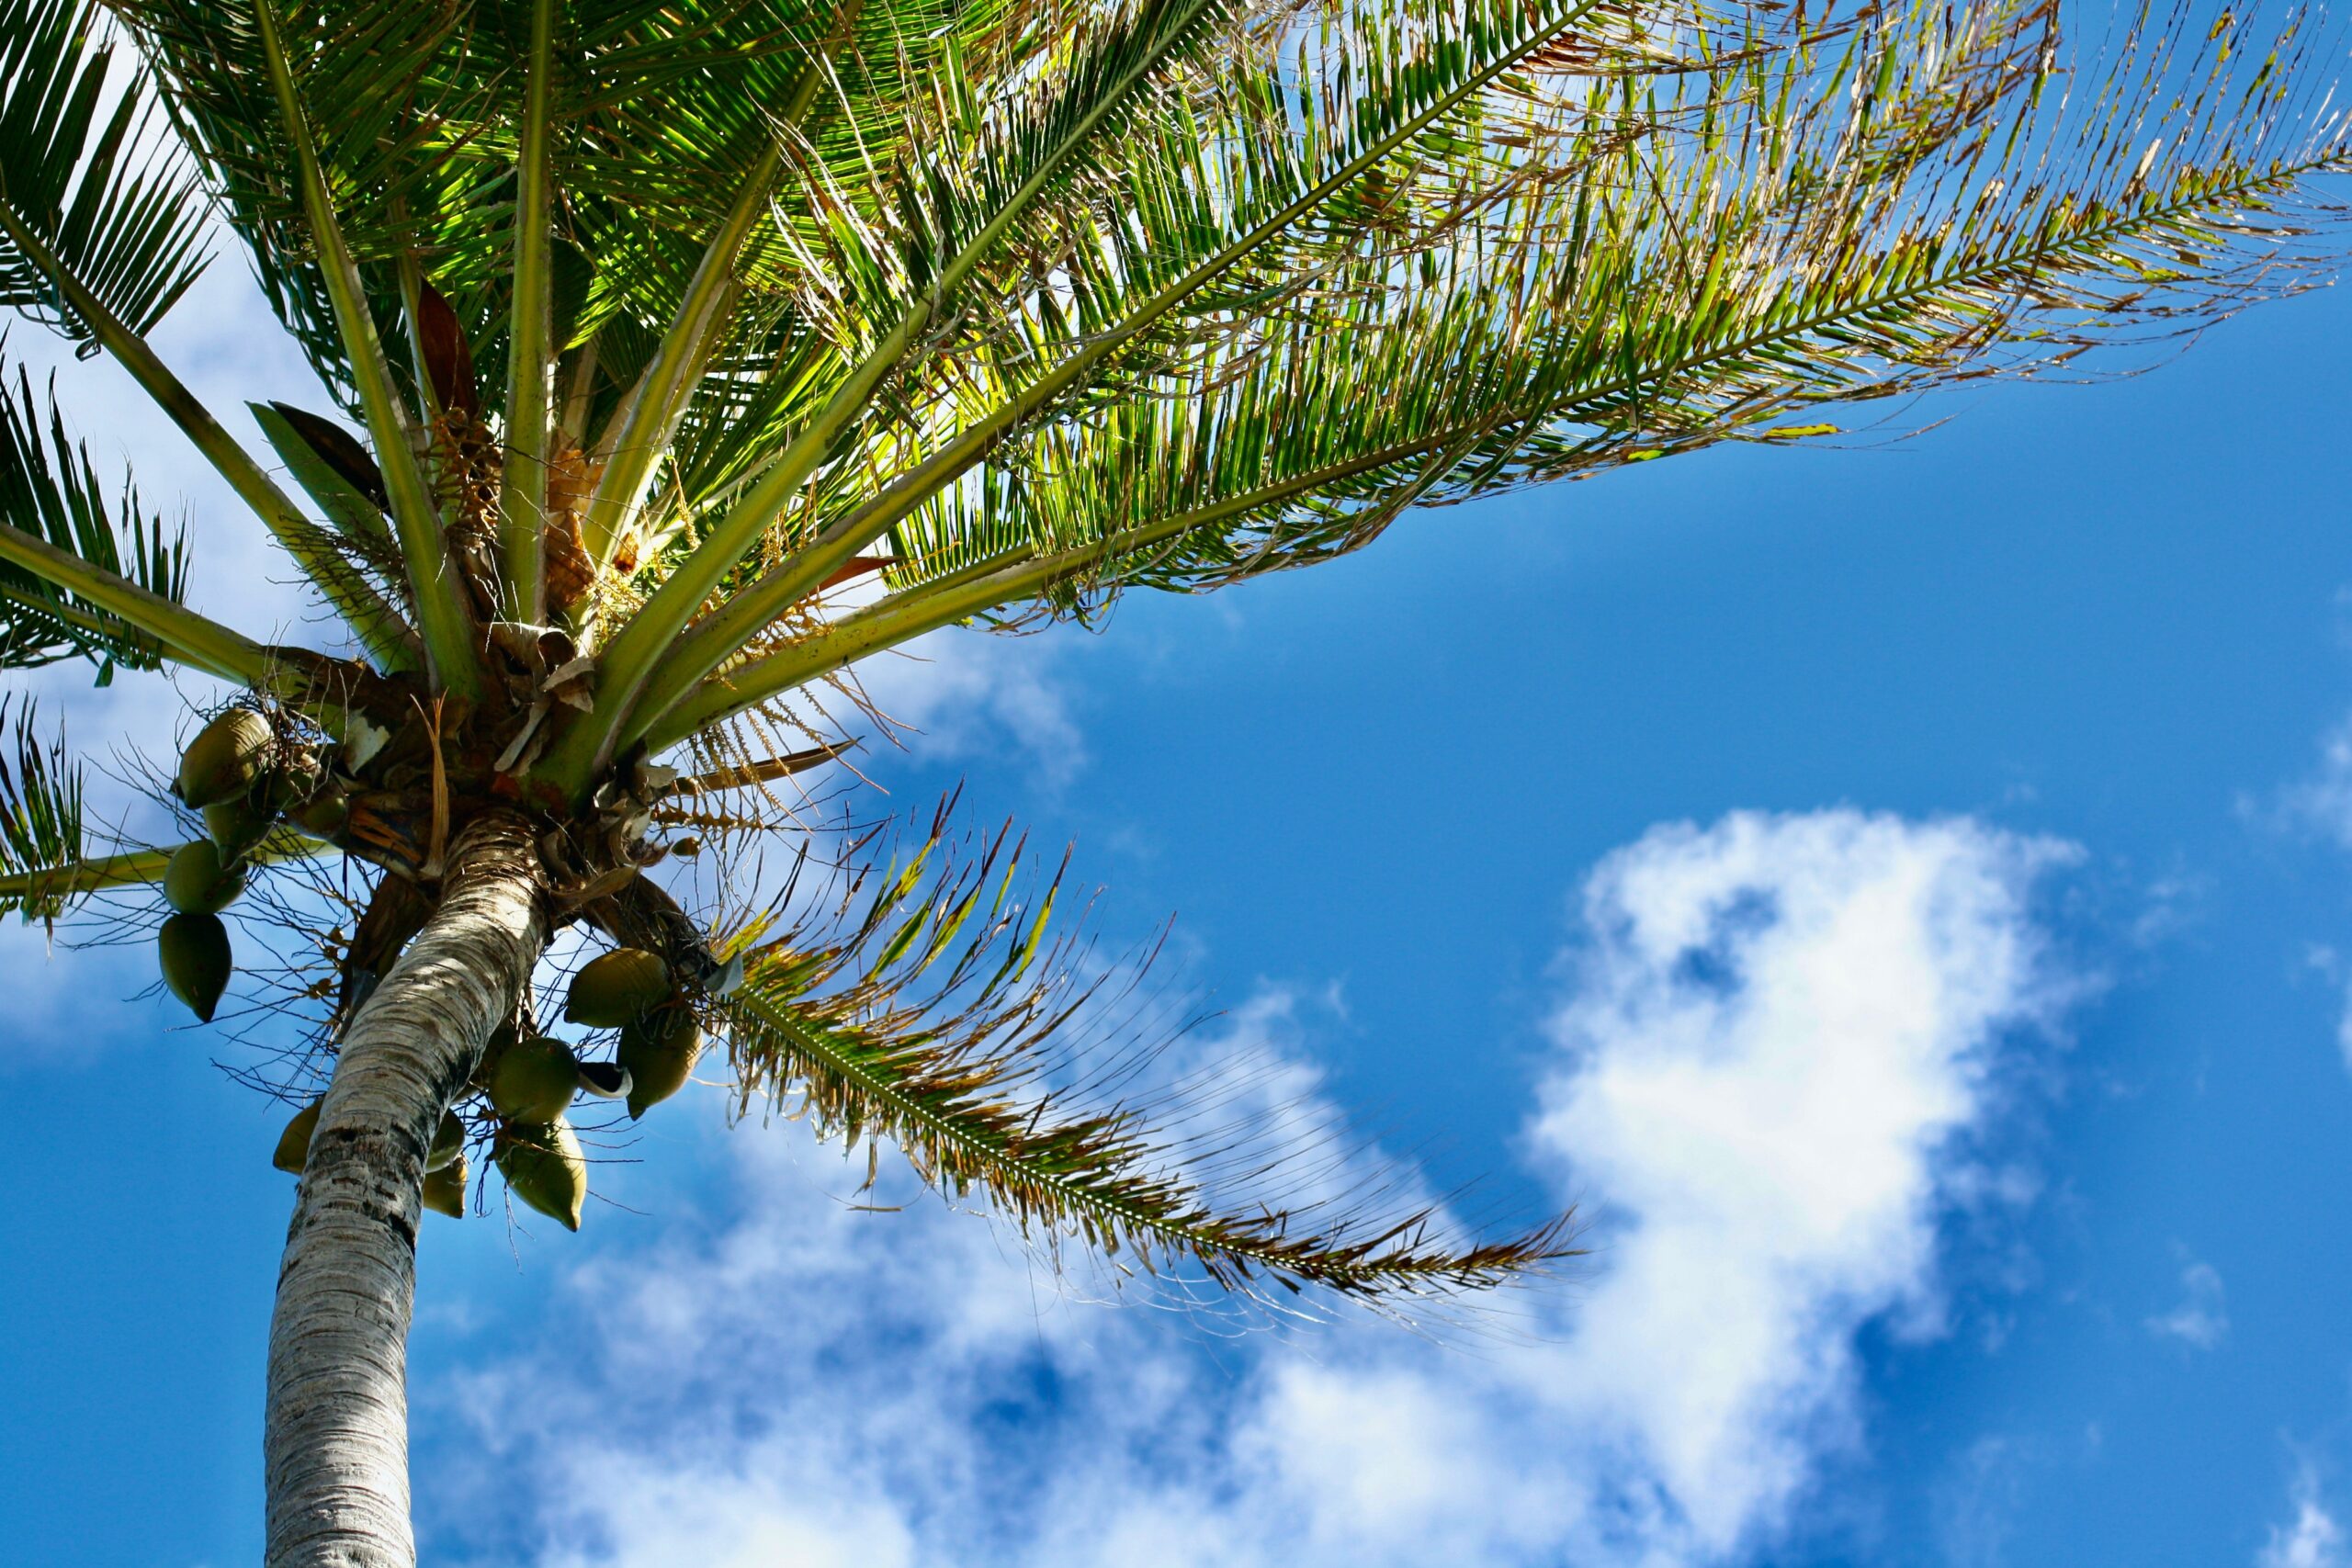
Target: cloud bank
pixel 1778 1043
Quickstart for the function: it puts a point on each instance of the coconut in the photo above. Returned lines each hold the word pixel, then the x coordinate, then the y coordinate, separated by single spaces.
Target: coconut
pixel 543 1168
pixel 445 1188
pixel 197 883
pixel 324 813
pixel 617 987
pixel 197 963
pixel 659 1053
pixel 449 1143
pixel 227 757
pixel 236 825
pixel 534 1079
pixel 294 1144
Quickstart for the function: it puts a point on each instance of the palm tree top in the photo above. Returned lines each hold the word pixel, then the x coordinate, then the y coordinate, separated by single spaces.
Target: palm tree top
pixel 682 354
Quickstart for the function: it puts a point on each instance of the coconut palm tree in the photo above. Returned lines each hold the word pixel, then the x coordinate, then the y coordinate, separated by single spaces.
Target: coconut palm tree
pixel 680 355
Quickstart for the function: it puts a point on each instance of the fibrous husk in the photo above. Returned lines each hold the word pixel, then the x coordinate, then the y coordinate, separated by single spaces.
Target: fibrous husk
pixel 534 1079
pixel 199 881
pixel 660 1054
pixel 194 951
pixel 545 1169
pixel 449 1143
pixel 294 1144
pixel 617 987
pixel 445 1188
pixel 226 757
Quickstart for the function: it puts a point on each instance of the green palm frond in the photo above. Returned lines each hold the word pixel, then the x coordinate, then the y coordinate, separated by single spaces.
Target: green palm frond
pixel 1827 246
pixel 1181 226
pixel 657 114
pixel 1960 217
pixel 365 72
pixel 101 223
pixel 98 185
pixel 40 820
pixel 935 1004
pixel 52 492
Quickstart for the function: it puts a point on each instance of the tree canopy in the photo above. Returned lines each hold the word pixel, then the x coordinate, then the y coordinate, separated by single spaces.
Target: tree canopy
pixel 682 354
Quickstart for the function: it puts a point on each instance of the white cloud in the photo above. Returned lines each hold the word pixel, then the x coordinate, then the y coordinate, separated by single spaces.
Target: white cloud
pixel 1780 1038
pixel 958 693
pixel 2202 1318
pixel 2312 1539
pixel 2324 800
pixel 1781 1030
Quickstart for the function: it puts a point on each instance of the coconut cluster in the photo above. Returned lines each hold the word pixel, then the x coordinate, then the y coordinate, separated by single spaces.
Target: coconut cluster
pixel 379 794
pixel 526 1085
pixel 242 777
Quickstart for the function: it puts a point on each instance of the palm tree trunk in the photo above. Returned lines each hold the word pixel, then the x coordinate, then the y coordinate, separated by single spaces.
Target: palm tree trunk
pixel 335 1443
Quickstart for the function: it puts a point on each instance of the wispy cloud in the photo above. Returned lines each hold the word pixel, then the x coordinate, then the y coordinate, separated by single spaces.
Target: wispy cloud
pixel 2322 799
pixel 1777 1040
pixel 2202 1318
pixel 958 693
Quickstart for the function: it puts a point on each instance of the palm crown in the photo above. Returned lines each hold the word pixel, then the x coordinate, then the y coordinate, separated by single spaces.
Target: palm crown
pixel 699 351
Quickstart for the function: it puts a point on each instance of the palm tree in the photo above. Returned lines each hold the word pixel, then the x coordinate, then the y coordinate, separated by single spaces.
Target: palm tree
pixel 813 326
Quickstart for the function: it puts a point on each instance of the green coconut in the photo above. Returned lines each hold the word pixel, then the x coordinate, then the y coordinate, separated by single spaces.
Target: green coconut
pixel 226 758
pixel 448 1142
pixel 197 963
pixel 543 1168
pixel 445 1188
pixel 660 1054
pixel 534 1079
pixel 324 813
pixel 294 1144
pixel 236 825
pixel 196 882
pixel 617 987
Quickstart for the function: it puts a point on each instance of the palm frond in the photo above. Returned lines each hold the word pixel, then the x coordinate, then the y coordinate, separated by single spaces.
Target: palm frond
pixel 40 820
pixel 52 490
pixel 1956 219
pixel 934 1003
pixel 98 184
pixel 100 232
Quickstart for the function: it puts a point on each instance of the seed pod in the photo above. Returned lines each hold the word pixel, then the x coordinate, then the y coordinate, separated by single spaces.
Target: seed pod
pixel 543 1168
pixel 659 1053
pixel 617 987
pixel 294 1144
pixel 449 1143
pixel 236 825
pixel 534 1079
pixel 196 882
pixel 225 759
pixel 197 962
pixel 445 1188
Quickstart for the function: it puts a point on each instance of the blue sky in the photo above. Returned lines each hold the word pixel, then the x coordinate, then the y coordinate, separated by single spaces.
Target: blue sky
pixel 1903 895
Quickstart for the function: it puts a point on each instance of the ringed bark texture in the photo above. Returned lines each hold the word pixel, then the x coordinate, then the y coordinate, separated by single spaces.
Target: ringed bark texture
pixel 335 1443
